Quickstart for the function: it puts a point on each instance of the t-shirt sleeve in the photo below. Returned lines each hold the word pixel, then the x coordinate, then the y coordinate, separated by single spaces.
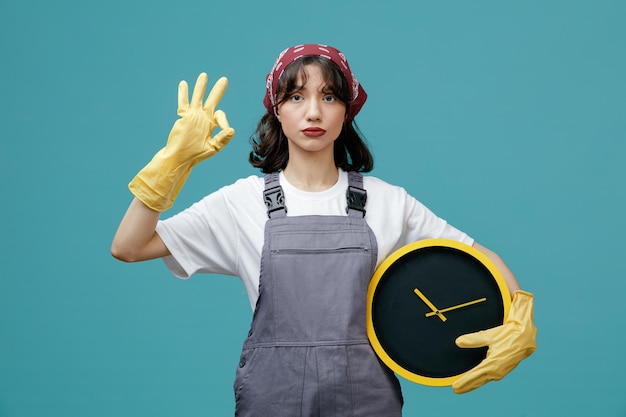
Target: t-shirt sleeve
pixel 398 219
pixel 422 223
pixel 202 238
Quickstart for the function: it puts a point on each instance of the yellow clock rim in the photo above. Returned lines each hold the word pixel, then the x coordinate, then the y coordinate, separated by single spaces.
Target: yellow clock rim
pixel 380 271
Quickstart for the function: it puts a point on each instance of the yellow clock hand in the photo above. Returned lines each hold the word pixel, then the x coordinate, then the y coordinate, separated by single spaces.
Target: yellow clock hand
pixel 445 310
pixel 434 309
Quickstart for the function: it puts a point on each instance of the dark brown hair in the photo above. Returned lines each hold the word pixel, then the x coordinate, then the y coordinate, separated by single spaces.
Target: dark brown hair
pixel 270 151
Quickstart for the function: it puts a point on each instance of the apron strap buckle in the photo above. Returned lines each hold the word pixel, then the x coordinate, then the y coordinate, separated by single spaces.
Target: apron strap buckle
pixel 275 201
pixel 356 198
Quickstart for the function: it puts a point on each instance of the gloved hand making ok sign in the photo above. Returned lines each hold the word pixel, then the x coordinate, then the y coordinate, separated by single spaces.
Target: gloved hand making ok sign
pixel 190 141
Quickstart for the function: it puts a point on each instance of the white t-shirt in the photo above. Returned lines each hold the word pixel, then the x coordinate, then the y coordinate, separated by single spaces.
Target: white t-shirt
pixel 223 232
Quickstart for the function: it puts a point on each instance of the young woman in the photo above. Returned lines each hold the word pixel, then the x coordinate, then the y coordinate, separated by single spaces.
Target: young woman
pixel 305 239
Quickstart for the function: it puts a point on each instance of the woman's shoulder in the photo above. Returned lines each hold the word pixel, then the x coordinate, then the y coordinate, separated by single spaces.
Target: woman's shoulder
pixel 252 183
pixel 377 185
pixel 238 193
pixel 239 201
pixel 384 196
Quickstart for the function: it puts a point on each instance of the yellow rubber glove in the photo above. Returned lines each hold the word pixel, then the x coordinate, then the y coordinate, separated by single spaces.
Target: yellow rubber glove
pixel 190 142
pixel 508 345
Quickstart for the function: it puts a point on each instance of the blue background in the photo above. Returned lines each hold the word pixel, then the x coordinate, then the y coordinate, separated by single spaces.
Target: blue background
pixel 507 118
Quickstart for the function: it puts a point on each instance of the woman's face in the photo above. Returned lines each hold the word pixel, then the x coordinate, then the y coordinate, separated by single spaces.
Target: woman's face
pixel 311 116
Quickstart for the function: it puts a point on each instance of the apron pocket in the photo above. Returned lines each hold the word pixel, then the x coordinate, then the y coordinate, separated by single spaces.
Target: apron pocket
pixel 269 382
pixel 378 391
pixel 306 284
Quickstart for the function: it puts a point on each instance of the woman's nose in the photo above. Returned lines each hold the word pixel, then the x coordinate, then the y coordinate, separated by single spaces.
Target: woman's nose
pixel 313 110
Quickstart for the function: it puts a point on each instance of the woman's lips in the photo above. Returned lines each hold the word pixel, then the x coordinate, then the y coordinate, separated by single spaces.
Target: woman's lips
pixel 313 132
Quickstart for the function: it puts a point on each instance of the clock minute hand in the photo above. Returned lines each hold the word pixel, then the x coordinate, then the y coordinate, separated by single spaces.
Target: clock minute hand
pixel 435 310
pixel 445 310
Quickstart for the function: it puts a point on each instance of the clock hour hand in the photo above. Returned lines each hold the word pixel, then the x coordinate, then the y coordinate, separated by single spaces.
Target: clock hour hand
pixel 445 310
pixel 434 309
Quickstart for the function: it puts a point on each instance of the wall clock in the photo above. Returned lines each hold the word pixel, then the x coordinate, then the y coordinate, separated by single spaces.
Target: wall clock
pixel 425 295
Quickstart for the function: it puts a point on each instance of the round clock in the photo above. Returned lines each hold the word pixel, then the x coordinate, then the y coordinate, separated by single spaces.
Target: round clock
pixel 425 295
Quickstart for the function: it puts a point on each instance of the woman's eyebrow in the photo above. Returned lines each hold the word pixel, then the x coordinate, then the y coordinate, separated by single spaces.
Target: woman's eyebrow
pixel 295 89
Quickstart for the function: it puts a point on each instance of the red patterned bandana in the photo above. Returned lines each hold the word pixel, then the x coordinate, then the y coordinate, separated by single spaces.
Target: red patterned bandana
pixel 289 55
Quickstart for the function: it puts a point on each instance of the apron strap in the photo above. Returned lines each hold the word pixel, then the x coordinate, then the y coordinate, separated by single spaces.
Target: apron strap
pixel 274 197
pixel 356 195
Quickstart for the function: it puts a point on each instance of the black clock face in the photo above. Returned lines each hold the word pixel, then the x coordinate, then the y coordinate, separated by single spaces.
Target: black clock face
pixel 423 301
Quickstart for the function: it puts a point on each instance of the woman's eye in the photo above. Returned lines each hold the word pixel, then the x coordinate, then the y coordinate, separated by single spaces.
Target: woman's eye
pixel 295 97
pixel 329 98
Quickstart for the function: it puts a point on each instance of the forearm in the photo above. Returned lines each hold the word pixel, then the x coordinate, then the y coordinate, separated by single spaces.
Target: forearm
pixel 508 343
pixel 156 186
pixel 508 276
pixel 136 238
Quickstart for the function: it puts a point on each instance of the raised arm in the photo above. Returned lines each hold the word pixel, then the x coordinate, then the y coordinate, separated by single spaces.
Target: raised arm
pixel 157 185
pixel 136 238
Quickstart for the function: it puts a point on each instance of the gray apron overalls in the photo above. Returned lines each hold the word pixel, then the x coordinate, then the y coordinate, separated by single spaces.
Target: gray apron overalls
pixel 307 352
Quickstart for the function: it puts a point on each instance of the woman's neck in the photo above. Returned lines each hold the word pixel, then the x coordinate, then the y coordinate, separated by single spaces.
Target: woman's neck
pixel 311 175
